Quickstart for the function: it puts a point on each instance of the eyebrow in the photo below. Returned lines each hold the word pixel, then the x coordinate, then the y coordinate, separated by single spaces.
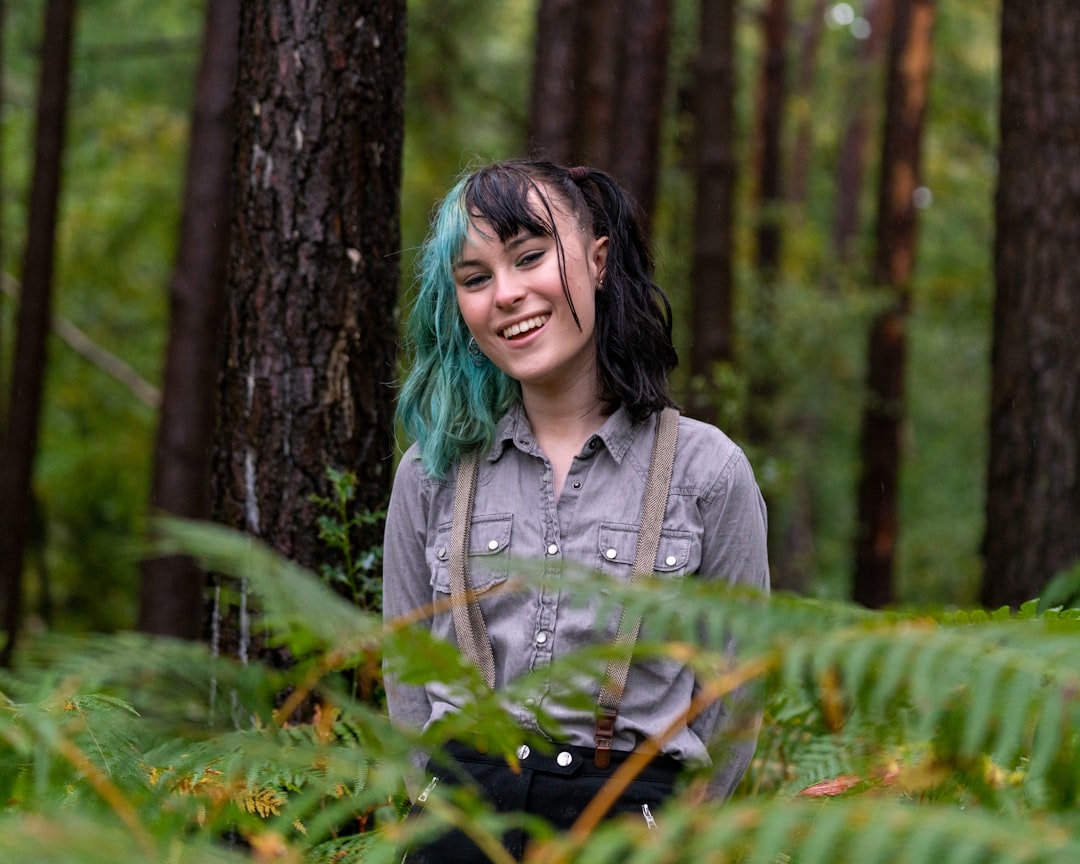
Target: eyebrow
pixel 522 237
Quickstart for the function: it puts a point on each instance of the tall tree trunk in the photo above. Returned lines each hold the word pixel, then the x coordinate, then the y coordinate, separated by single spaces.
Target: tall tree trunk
pixel 171 602
pixel 771 102
pixel 1033 483
pixel 645 27
pixel 553 126
pixel 761 363
pixel 597 96
pixel 309 324
pixel 884 411
pixel 712 269
pixel 19 444
pixel 795 530
pixel 599 79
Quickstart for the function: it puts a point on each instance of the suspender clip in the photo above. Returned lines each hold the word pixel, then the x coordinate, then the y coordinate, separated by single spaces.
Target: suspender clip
pixel 603 733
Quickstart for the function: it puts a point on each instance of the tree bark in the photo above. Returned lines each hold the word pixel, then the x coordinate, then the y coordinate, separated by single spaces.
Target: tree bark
pixel 19 444
pixel 771 103
pixel 310 328
pixel 1033 482
pixel 597 97
pixel 880 437
pixel 762 368
pixel 645 27
pixel 553 132
pixel 599 80
pixel 171 601
pixel 712 268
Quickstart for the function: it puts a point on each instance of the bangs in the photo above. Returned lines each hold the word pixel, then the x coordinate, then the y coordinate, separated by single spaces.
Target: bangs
pixel 510 201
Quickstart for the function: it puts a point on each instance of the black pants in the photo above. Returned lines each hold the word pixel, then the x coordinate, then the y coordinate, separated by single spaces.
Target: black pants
pixel 556 786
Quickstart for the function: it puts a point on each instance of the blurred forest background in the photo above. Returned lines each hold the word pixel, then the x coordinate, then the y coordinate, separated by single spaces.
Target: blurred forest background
pixel 467 98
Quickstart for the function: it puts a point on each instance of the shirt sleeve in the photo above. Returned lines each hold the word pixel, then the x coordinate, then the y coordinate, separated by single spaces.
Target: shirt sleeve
pixel 734 548
pixel 406 580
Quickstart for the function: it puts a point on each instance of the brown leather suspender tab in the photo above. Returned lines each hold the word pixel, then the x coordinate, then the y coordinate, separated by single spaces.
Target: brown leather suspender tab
pixel 604 733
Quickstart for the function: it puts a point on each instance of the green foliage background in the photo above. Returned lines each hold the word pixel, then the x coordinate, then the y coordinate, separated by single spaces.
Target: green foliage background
pixel 467 100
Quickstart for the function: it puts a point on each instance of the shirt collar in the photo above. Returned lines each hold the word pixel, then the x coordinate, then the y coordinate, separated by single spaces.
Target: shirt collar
pixel 617 434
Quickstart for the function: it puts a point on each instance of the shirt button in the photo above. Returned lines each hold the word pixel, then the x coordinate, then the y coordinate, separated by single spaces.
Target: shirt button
pixel 530 702
pixel 577 484
pixel 541 637
pixel 671 560
pixel 610 554
pixel 493 545
pixel 552 549
pixel 564 758
pixel 523 751
pixel 441 553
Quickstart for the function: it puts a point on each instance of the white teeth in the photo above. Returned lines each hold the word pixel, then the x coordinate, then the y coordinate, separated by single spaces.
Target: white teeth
pixel 524 326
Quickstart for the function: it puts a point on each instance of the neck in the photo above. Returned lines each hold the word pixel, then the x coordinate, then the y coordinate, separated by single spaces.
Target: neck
pixel 561 424
pixel 563 419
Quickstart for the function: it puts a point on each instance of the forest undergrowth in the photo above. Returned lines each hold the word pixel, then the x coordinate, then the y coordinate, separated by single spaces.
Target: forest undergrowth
pixel 903 736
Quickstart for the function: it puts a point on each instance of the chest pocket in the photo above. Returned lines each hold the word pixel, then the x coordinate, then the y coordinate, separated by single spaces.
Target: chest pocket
pixel 618 546
pixel 489 553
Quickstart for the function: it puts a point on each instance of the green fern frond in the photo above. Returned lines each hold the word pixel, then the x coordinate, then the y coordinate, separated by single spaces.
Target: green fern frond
pixel 856 830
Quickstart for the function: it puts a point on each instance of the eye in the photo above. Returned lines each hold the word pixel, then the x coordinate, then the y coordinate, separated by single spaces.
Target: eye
pixel 472 280
pixel 530 257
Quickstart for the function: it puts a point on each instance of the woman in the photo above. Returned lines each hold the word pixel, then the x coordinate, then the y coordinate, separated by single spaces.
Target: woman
pixel 540 343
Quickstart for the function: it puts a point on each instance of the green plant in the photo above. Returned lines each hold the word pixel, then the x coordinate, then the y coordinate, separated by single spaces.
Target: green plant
pixel 899 737
pixel 358 576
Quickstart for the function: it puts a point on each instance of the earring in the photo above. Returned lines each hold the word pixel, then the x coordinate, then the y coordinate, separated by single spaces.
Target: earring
pixel 478 357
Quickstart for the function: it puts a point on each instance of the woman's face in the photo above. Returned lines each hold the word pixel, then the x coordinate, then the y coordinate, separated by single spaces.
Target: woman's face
pixel 511 297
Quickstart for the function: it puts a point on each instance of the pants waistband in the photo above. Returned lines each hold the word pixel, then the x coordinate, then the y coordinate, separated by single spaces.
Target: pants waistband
pixel 569 760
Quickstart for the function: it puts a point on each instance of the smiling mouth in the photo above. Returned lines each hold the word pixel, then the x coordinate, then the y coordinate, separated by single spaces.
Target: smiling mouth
pixel 525 326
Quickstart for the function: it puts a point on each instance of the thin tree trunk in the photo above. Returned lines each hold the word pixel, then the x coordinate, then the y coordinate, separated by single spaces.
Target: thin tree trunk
pixel 712 271
pixel 552 112
pixel 1033 480
pixel 884 411
pixel 761 366
pixel 597 53
pixel 19 444
pixel 642 78
pixel 770 136
pixel 171 602
pixel 795 530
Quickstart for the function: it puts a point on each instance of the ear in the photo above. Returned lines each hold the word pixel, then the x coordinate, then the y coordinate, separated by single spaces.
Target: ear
pixel 598 260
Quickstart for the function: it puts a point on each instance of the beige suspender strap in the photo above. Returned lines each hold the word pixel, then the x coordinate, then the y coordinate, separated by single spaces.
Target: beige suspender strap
pixel 652 520
pixel 472 634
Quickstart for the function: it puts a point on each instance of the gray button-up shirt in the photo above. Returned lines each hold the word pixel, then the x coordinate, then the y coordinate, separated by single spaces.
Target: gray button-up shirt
pixel 714 527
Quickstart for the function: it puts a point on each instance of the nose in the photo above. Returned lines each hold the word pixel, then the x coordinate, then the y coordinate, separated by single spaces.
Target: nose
pixel 509 289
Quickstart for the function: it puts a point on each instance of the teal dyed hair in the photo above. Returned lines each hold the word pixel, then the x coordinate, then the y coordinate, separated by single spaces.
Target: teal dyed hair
pixel 449 404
